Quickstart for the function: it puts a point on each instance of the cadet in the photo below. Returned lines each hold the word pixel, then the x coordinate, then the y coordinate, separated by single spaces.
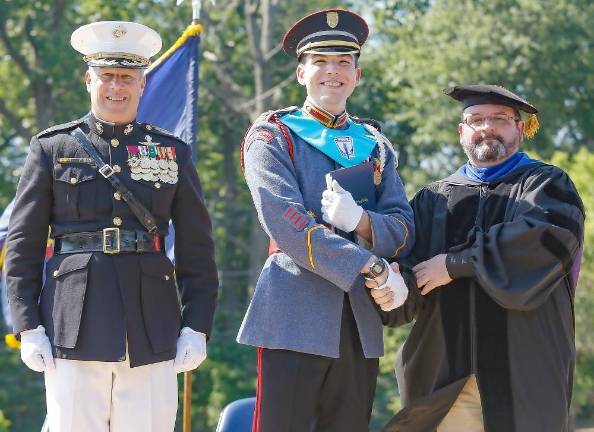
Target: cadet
pixel 105 328
pixel 318 333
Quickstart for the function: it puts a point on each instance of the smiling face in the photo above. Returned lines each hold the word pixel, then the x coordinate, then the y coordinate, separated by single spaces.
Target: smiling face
pixel 115 93
pixel 497 137
pixel 329 79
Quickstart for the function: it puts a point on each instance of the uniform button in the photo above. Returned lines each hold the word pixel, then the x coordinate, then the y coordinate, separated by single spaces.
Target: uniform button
pixel 166 277
pixel 115 142
pixel 117 195
pixel 56 273
pixel 149 127
pixel 117 221
pixel 157 185
pixel 73 180
pixel 116 168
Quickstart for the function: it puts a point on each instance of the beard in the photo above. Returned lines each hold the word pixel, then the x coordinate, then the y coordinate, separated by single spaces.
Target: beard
pixel 488 149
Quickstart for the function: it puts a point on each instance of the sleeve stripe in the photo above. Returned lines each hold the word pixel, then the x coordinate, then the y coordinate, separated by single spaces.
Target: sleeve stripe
pixel 309 245
pixel 404 241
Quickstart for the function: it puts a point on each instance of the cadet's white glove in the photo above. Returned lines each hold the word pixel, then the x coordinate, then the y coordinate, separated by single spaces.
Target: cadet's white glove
pixel 340 209
pixel 191 350
pixel 392 293
pixel 36 350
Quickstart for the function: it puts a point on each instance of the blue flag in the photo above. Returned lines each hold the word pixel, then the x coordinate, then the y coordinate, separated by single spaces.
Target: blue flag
pixel 171 93
pixel 170 98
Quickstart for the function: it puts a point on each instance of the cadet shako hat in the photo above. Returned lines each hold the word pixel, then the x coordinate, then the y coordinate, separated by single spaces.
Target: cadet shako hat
pixel 481 94
pixel 329 31
pixel 119 44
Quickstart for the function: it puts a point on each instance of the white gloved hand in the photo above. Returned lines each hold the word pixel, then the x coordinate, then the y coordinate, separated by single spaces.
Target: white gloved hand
pixel 396 286
pixel 340 209
pixel 191 350
pixel 36 350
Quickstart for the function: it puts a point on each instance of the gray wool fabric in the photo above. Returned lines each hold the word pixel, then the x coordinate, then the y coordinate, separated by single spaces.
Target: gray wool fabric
pixel 297 306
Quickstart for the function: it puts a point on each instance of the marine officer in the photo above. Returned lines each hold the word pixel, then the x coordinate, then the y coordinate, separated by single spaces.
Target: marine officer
pixel 106 326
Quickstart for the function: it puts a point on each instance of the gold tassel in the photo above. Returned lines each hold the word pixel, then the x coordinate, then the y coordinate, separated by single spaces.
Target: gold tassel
pixel 11 341
pixel 532 126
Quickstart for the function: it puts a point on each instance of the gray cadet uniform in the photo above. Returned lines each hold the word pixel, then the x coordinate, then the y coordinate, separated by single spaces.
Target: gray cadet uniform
pixel 298 300
pixel 318 333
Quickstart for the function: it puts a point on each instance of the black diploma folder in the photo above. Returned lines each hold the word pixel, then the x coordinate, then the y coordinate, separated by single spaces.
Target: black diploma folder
pixel 358 180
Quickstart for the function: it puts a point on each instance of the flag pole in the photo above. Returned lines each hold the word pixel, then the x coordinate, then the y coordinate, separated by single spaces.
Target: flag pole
pixel 187 398
pixel 187 402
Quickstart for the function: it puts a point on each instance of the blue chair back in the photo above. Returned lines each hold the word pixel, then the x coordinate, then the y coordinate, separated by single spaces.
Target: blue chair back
pixel 237 416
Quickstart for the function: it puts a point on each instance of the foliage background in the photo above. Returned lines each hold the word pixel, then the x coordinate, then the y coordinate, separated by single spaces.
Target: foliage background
pixel 541 49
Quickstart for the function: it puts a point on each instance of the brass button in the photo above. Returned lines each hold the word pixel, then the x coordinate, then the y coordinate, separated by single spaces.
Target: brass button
pixel 115 142
pixel 117 221
pixel 56 273
pixel 166 277
pixel 116 168
pixel 117 195
pixel 157 185
pixel 73 180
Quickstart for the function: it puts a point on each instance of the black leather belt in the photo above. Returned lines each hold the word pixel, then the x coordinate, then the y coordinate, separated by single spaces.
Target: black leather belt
pixel 110 241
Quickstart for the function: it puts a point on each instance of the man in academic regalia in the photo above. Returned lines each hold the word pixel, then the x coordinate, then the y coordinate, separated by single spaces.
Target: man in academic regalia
pixel 107 329
pixel 318 333
pixel 496 259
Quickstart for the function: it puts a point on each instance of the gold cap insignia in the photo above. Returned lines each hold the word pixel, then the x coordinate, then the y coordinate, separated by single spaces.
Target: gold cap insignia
pixel 332 19
pixel 118 32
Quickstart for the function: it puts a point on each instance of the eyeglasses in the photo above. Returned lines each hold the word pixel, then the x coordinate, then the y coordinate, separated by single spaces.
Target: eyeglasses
pixel 497 120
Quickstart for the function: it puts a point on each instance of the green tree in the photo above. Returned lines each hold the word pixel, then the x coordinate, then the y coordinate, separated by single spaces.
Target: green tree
pixel 580 167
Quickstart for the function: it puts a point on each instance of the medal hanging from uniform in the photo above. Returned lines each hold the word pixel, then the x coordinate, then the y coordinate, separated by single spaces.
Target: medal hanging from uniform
pixel 152 163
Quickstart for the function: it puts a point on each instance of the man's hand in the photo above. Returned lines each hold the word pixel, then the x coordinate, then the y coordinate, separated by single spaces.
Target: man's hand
pixel 36 350
pixel 392 293
pixel 340 209
pixel 191 350
pixel 432 273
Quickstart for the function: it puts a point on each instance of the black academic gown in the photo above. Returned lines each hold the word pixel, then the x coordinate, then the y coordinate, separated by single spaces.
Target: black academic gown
pixel 508 315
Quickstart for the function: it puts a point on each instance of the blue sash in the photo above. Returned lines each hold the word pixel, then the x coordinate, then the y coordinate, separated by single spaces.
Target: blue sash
pixel 348 147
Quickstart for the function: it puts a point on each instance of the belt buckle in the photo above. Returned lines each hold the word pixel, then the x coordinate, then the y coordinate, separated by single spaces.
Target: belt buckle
pixel 111 241
pixel 106 171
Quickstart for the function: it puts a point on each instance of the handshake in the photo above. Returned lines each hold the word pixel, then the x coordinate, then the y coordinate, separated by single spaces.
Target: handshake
pixel 386 285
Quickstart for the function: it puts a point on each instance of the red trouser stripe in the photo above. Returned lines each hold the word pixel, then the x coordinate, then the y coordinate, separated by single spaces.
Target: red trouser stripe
pixel 256 421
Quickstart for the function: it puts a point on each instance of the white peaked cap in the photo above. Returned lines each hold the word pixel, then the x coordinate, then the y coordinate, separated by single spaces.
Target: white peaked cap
pixel 116 44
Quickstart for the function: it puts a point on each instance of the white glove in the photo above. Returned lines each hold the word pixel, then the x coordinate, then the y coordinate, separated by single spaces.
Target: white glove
pixel 396 285
pixel 191 350
pixel 340 209
pixel 36 350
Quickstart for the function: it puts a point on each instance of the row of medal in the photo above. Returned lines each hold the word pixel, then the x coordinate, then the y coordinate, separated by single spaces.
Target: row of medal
pixel 153 163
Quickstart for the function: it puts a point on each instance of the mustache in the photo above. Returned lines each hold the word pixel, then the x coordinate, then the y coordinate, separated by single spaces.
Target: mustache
pixel 481 138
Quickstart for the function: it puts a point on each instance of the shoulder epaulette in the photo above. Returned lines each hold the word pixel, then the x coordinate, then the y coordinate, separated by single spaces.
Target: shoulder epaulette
pixel 268 115
pixel 371 122
pixel 272 116
pixel 160 131
pixel 60 127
